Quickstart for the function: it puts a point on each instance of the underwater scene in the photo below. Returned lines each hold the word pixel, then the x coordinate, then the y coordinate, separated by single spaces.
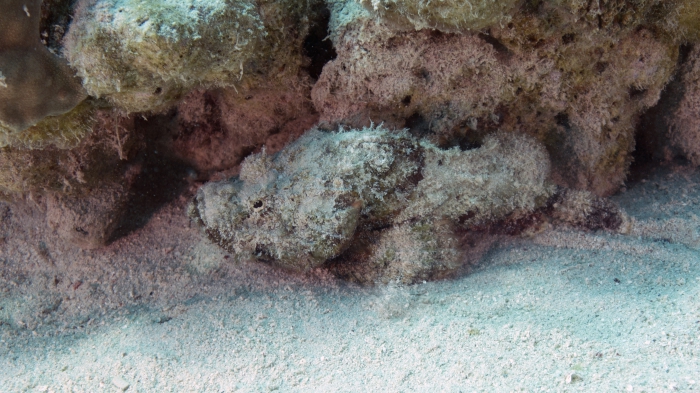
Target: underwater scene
pixel 349 196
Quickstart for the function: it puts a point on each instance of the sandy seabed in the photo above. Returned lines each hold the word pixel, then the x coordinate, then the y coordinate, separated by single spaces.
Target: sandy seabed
pixel 162 310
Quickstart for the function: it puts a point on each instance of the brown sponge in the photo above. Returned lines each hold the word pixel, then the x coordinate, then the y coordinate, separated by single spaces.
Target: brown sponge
pixel 34 83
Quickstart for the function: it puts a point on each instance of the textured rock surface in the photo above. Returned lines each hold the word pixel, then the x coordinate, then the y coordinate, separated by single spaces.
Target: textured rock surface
pixel 577 87
pixel 88 219
pixel 63 132
pixel 677 18
pixel 681 115
pixel 451 15
pixel 146 55
pixel 217 129
pixel 99 158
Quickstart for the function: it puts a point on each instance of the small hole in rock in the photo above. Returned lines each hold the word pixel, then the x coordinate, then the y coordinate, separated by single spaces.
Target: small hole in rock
pixel 562 119
pixel 502 51
pixel 568 38
pixel 418 126
pixel 636 92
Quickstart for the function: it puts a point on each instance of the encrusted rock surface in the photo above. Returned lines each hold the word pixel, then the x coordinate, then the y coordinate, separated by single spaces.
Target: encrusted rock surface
pixel 147 55
pixel 577 87
pixel 679 118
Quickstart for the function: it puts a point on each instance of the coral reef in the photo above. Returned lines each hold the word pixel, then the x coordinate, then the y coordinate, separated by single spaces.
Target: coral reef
pixel 675 125
pixel 675 17
pixel 455 15
pixel 89 180
pixel 217 129
pixel 144 56
pixel 513 116
pixel 575 86
pixel 34 83
pixel 305 205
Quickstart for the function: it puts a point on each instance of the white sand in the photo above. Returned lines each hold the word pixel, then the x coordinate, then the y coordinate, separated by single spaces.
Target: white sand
pixel 163 311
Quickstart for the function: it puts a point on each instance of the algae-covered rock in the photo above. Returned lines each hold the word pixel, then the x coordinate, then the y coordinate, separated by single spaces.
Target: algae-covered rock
pixel 445 15
pixel 84 189
pixel 98 159
pixel 144 55
pixel 576 86
pixel 63 131
pixel 308 204
pixel 689 20
pixel 677 18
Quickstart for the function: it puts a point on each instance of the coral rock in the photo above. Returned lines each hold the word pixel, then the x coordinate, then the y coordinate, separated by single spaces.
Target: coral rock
pixel 679 122
pixel 451 15
pixel 145 55
pixel 576 87
pixel 217 129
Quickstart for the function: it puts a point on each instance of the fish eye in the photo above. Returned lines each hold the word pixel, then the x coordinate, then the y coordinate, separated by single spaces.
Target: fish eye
pixel 257 205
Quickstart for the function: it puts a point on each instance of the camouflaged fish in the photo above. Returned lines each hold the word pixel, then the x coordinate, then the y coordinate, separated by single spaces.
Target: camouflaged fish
pixel 306 204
